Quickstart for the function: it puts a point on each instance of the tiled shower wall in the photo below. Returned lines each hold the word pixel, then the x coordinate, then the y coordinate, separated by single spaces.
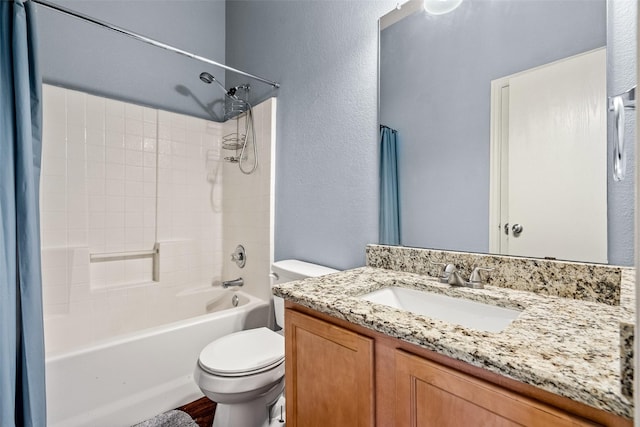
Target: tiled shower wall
pixel 121 178
pixel 248 206
pixel 118 177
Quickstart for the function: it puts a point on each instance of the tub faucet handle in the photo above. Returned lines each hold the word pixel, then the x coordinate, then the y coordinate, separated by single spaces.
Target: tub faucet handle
pixel 239 256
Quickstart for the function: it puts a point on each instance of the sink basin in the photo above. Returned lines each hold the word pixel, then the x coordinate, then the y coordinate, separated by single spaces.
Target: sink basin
pixel 470 314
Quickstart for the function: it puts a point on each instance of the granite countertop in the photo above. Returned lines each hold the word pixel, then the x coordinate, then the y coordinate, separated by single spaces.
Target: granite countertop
pixel 562 345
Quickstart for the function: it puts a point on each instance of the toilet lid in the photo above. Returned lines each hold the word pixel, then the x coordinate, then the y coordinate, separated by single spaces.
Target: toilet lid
pixel 243 352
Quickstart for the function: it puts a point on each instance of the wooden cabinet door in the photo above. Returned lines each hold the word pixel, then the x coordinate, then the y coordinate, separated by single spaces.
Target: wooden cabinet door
pixel 429 394
pixel 329 374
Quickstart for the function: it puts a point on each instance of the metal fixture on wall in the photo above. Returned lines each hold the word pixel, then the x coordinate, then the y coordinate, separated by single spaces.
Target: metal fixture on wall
pixel 440 7
pixel 237 106
pixel 618 104
pixel 239 256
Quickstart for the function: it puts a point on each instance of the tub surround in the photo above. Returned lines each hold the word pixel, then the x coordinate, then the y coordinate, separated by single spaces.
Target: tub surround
pixel 119 177
pixel 567 346
pixel 126 379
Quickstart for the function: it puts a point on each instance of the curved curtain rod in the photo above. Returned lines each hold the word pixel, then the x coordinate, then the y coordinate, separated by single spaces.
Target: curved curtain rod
pixel 149 40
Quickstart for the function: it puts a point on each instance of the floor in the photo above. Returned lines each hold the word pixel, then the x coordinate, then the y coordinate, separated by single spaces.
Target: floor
pixel 201 411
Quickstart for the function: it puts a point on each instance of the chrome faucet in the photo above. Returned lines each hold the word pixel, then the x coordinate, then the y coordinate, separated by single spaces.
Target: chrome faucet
pixel 451 276
pixel 235 282
pixel 475 280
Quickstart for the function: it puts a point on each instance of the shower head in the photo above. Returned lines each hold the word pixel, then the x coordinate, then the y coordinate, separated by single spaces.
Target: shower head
pixel 207 77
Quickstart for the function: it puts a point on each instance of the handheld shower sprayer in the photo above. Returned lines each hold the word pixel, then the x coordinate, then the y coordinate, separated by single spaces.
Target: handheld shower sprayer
pixel 234 106
pixel 208 78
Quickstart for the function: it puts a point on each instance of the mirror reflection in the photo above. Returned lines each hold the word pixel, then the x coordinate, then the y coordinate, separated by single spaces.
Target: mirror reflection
pixel 500 113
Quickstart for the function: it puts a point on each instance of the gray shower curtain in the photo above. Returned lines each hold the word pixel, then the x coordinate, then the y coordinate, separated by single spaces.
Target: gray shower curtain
pixel 22 376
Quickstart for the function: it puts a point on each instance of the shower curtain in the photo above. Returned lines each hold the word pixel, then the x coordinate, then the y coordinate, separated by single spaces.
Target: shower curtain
pixel 22 382
pixel 389 230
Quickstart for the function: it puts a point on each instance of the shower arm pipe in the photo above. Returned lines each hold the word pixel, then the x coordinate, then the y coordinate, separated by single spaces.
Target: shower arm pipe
pixel 149 40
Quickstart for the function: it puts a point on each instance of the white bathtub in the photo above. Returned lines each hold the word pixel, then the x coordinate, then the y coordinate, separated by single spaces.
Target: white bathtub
pixel 124 380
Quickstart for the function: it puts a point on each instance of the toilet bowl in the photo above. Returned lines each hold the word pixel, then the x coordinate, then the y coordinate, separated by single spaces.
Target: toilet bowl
pixel 243 372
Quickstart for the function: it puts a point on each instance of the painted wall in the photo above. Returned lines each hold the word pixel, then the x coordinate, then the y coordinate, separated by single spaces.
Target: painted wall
pixel 81 56
pixel 436 74
pixel 324 53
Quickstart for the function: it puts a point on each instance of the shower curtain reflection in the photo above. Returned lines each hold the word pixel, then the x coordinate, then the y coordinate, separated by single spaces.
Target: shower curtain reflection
pixel 389 208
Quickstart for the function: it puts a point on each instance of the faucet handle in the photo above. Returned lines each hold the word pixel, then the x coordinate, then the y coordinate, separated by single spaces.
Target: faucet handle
pixel 446 272
pixel 475 280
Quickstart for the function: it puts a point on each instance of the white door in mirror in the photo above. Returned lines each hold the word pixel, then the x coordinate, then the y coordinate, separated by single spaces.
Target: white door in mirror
pixel 554 144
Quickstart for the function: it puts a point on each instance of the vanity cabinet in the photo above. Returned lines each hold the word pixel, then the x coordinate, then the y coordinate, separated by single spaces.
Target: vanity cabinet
pixel 329 374
pixel 430 394
pixel 345 375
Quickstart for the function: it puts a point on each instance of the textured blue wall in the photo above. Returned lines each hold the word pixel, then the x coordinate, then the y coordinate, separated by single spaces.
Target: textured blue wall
pixel 325 55
pixel 82 56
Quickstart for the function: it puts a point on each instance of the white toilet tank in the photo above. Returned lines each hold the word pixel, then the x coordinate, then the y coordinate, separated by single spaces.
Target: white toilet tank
pixel 288 271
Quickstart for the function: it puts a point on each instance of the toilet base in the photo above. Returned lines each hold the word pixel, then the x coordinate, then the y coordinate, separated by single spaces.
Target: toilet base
pixel 254 413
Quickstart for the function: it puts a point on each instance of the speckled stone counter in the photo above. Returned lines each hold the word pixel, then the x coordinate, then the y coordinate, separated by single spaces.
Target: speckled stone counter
pixel 577 280
pixel 567 346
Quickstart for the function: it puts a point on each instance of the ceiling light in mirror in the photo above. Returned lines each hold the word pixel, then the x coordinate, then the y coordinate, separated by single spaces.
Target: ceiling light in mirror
pixel 440 7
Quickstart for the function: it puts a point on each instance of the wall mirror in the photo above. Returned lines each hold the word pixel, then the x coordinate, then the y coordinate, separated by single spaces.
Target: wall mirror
pixel 495 94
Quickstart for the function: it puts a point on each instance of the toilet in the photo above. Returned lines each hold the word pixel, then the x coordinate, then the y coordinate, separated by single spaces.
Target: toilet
pixel 243 372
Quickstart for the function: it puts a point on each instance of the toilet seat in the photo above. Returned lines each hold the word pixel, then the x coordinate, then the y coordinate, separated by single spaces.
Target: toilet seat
pixel 243 353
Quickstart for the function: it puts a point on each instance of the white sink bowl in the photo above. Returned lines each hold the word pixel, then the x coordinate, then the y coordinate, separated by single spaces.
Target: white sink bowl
pixel 470 314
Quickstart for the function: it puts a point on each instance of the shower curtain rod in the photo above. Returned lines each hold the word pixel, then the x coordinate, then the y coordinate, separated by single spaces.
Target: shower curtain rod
pixel 149 40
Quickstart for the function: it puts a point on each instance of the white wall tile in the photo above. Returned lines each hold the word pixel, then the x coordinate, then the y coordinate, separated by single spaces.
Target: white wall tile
pixel 134 127
pixel 116 177
pixel 75 109
pixel 77 236
pixel 114 108
pixel 134 112
pixel 114 124
pixel 114 138
pixel 150 115
pixel 134 142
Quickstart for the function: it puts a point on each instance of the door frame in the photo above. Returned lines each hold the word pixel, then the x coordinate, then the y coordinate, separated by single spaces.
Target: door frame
pixel 498 149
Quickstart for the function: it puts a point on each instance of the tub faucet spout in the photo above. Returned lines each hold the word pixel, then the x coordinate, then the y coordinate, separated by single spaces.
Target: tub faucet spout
pixel 235 282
